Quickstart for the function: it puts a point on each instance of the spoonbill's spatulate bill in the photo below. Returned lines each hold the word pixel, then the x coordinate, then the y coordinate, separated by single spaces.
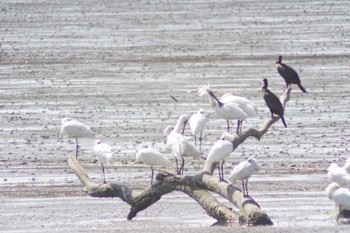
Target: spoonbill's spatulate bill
pixel 220 151
pixel 198 122
pixel 289 75
pixel 243 171
pixel 273 102
pixel 104 155
pixel 230 107
pixel 75 129
pixel 151 157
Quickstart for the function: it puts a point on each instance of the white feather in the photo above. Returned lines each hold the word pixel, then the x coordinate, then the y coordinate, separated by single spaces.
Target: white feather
pixel 341 196
pixel 244 170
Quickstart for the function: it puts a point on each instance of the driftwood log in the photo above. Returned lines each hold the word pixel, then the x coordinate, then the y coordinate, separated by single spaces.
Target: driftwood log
pixel 199 187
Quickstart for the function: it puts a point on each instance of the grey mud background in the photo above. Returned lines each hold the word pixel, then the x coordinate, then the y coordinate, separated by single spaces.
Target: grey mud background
pixel 114 65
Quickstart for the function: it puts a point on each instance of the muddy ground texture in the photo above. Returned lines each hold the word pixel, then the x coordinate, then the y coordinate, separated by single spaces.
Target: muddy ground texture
pixel 119 66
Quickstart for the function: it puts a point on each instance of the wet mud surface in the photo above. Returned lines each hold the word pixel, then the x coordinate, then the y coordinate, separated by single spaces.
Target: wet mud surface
pixel 119 67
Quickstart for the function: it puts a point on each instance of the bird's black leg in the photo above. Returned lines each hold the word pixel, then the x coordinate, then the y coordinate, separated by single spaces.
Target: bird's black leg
pixel 76 148
pixel 200 141
pixel 177 165
pixel 152 175
pixel 228 126
pixel 182 166
pixel 222 170
pixel 243 189
pixel 195 140
pixel 219 170
pixel 103 172
pixel 246 187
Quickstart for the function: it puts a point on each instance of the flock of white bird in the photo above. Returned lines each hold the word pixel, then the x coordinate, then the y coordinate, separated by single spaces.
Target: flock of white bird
pixel 229 107
pixel 339 188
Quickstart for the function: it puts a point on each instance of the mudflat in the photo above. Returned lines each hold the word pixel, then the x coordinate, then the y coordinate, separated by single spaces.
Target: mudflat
pixel 128 69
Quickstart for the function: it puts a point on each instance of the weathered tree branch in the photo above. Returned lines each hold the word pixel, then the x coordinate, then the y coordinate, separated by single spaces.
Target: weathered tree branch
pixel 197 187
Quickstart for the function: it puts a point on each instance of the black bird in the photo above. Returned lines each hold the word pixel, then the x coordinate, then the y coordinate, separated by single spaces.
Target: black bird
pixel 289 75
pixel 273 102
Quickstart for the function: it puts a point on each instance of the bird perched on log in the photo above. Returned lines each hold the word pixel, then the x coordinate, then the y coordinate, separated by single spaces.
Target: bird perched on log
pixel 243 171
pixel 273 102
pixel 230 107
pixel 341 196
pixel 220 151
pixel 104 155
pixel 75 129
pixel 151 157
pixel 198 122
pixel 289 75
pixel 180 147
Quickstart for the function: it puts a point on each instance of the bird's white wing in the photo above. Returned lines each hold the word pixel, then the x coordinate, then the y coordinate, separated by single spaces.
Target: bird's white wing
pixel 241 171
pixel 219 151
pixel 341 197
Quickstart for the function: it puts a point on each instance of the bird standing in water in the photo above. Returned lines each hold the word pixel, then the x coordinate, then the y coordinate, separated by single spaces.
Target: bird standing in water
pixel 75 129
pixel 289 75
pixel 273 102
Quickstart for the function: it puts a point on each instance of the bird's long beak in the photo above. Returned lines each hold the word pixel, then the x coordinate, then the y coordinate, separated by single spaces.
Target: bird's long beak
pixel 183 129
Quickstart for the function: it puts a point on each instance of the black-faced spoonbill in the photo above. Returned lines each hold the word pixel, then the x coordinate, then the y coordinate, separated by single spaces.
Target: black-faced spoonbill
pixel 220 151
pixel 230 107
pixel 243 171
pixel 104 154
pixel 181 123
pixel 151 157
pixel 289 75
pixel 273 102
pixel 180 147
pixel 75 129
pixel 198 122
pixel 341 196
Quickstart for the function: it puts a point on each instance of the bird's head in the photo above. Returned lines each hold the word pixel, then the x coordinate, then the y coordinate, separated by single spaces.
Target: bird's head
pixel 143 145
pixel 201 110
pixel 168 130
pixel 331 188
pixel 279 61
pixel 98 142
pixel 265 83
pixel 227 136
pixel 332 166
pixel 204 90
pixel 65 120
pixel 253 161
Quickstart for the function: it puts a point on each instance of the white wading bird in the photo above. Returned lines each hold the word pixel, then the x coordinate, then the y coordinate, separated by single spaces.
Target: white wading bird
pixel 151 157
pixel 243 171
pixel 181 123
pixel 104 154
pixel 341 196
pixel 75 129
pixel 220 151
pixel 180 147
pixel 198 122
pixel 338 175
pixel 230 107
